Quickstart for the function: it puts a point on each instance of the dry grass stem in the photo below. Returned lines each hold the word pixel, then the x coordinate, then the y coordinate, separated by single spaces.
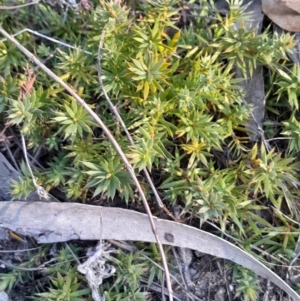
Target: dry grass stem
pixel 110 137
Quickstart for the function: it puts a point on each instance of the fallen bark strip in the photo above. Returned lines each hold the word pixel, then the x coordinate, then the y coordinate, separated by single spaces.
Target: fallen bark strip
pixel 57 222
pixel 253 85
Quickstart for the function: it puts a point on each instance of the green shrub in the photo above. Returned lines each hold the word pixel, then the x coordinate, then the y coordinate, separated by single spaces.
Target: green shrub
pixel 176 92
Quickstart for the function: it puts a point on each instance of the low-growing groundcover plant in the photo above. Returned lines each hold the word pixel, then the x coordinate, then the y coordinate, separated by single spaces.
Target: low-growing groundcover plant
pixel 172 81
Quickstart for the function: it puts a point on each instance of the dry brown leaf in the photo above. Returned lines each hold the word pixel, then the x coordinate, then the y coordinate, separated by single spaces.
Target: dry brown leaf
pixel 293 4
pixel 285 13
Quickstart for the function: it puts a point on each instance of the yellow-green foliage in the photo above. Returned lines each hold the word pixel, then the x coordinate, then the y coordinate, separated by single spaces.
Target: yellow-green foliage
pixel 176 92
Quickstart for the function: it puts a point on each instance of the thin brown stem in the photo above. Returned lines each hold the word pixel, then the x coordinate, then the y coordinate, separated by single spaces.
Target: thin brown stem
pixel 111 139
pixel 119 118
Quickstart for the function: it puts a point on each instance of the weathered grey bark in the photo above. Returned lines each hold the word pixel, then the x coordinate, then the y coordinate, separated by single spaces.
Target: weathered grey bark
pixel 254 90
pixel 4 297
pixel 253 85
pixel 53 222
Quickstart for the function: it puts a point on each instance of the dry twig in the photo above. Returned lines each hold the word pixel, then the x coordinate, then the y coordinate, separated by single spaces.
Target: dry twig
pixel 119 118
pixel 110 137
pixel 3 7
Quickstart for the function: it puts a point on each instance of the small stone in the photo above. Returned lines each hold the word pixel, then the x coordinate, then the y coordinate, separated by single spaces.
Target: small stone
pixel 4 297
pixel 220 294
pixel 3 234
pixel 193 272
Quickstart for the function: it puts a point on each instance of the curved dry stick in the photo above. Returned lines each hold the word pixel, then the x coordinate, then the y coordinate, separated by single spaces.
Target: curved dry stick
pixel 111 139
pixel 3 7
pixel 57 222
